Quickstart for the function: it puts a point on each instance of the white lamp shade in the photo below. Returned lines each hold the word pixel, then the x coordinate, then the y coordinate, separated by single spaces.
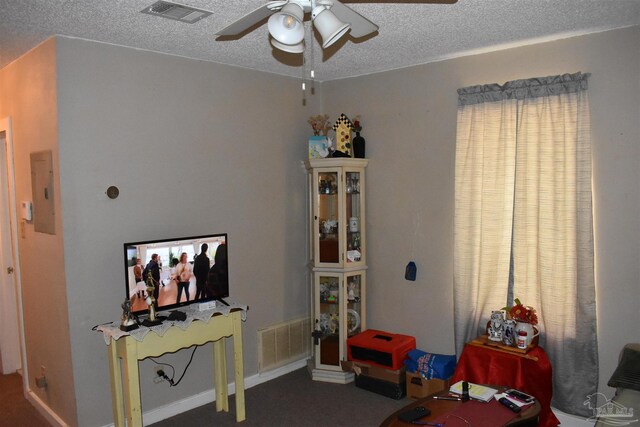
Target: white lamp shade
pixel 286 26
pixel 329 26
pixel 291 48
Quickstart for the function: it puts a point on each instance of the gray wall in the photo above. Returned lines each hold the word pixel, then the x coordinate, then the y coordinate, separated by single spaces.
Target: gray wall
pixel 409 119
pixel 194 148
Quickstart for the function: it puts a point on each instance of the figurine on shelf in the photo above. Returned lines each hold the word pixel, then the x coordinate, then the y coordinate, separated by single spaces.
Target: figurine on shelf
pixel 330 225
pixel 334 323
pixel 351 295
pixel 127 322
pixel 151 302
pixel 151 299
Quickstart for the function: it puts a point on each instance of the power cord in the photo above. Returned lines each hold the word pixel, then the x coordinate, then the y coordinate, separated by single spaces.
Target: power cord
pixel 161 373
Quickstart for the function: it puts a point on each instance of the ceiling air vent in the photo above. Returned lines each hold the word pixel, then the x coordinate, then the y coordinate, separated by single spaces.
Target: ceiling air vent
pixel 178 12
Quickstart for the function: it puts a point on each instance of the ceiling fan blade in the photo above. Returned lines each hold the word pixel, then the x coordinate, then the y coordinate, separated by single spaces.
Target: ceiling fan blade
pixel 360 26
pixel 251 18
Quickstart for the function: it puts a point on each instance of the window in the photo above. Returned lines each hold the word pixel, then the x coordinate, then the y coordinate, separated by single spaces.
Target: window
pixel 523 199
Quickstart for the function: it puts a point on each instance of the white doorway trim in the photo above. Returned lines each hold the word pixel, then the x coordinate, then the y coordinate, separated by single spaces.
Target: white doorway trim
pixel 11 282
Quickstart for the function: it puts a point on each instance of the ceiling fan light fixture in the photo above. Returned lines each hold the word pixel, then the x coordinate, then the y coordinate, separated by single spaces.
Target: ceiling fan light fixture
pixel 286 26
pixel 328 25
pixel 291 48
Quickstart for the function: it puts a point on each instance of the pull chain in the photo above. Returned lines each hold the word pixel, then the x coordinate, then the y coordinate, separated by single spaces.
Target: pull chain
pixel 304 67
pixel 308 61
pixel 312 73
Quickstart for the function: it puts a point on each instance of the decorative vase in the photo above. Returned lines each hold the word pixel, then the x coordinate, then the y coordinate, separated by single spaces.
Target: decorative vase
pixel 529 329
pixel 358 146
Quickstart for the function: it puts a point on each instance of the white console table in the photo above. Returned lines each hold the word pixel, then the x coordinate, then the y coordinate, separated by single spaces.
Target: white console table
pixel 133 347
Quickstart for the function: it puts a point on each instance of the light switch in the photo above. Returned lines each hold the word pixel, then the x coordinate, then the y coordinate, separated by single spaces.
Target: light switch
pixel 26 209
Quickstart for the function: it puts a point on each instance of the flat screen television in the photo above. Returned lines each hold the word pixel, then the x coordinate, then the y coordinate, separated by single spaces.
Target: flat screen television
pixel 180 274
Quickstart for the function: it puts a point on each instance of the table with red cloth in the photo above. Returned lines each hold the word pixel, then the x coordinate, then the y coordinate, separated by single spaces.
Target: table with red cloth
pixel 483 365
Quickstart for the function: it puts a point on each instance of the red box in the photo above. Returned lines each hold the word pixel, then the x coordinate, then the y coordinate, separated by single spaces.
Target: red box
pixel 380 348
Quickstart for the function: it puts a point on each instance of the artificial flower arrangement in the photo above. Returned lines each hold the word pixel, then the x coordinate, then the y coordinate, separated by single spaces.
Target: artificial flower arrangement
pixel 522 313
pixel 356 124
pixel 320 123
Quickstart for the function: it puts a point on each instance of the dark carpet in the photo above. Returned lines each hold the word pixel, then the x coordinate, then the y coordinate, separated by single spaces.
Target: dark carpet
pixel 296 400
pixel 15 410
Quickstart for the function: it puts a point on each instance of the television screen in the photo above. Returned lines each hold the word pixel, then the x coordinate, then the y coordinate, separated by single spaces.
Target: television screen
pixel 184 271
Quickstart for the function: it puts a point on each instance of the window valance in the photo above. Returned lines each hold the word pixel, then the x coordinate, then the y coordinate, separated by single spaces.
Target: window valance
pixel 521 89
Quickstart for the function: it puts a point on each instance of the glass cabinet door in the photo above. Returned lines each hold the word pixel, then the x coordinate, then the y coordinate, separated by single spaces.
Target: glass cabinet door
pixel 355 292
pixel 327 216
pixel 328 321
pixel 354 235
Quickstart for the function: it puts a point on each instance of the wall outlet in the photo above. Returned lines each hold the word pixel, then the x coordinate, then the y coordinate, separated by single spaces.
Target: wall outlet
pixel 158 378
pixel 41 381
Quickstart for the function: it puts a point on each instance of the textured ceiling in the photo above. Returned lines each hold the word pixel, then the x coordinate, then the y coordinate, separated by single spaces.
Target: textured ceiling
pixel 410 33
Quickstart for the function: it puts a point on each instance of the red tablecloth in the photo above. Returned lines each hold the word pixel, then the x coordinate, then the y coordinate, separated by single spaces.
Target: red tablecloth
pixel 482 365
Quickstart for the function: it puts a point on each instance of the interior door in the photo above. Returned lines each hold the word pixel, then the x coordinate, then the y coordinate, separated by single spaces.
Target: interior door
pixel 9 329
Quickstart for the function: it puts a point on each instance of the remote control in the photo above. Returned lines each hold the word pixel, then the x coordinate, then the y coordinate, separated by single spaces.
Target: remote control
pixel 519 395
pixel 509 404
pixel 414 414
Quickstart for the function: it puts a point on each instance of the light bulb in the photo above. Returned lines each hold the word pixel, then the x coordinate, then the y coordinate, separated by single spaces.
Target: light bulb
pixel 286 26
pixel 289 22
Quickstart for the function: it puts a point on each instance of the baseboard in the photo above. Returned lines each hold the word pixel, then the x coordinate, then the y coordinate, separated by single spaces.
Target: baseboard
pixel 209 396
pixel 567 420
pixel 45 410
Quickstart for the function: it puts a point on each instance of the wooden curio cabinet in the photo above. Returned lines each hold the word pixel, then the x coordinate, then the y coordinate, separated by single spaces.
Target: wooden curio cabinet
pixel 338 260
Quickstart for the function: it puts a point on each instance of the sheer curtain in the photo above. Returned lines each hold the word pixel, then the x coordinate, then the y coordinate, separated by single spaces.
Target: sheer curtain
pixel 552 225
pixel 485 173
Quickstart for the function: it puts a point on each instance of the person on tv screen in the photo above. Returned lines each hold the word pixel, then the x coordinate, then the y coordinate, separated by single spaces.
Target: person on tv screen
pixel 183 276
pixel 153 268
pixel 201 270
pixel 137 272
pixel 218 278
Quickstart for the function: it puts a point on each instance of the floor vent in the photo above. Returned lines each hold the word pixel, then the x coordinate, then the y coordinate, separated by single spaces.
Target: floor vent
pixel 178 12
pixel 284 343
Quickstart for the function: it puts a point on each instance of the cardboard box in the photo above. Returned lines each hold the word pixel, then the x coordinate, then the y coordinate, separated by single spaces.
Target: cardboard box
pixel 418 387
pixel 360 368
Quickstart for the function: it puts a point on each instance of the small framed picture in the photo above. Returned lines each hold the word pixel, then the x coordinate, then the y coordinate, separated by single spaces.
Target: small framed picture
pixel 318 147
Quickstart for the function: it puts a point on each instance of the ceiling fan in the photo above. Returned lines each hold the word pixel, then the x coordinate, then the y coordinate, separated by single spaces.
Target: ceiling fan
pixel 331 19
